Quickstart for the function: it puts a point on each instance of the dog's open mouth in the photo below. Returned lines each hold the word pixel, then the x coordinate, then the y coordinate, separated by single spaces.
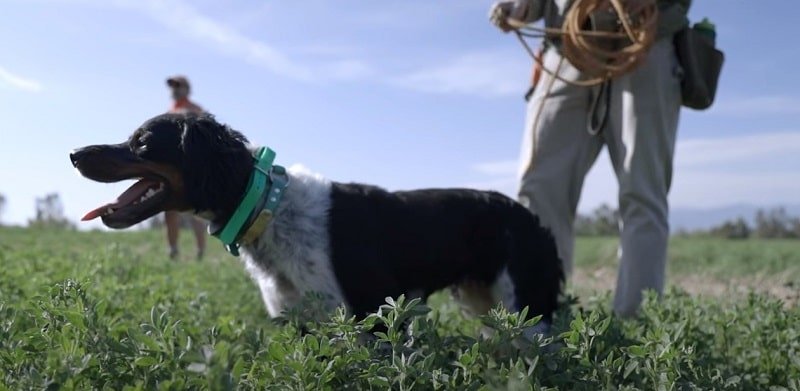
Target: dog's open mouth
pixel 140 201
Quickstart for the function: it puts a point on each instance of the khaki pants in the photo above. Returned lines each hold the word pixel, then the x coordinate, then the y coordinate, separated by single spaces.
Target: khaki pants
pixel 640 136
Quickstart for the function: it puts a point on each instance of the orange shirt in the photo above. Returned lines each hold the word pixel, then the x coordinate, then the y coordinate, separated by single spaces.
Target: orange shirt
pixel 185 106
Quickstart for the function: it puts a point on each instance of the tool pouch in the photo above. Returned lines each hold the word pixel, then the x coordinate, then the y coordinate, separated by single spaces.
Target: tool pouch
pixel 702 64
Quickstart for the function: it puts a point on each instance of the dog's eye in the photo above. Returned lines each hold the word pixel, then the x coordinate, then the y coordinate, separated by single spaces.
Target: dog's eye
pixel 139 144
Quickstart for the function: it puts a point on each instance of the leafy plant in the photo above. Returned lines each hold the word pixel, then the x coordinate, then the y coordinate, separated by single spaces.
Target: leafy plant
pixel 110 311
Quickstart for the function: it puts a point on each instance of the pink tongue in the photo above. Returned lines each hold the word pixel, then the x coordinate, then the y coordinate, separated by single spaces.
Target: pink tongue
pixel 94 214
pixel 127 197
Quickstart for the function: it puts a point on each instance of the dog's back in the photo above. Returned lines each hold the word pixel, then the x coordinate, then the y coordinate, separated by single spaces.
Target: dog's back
pixel 416 242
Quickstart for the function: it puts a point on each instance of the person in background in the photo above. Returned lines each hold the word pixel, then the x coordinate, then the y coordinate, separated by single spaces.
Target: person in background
pixel 560 146
pixel 180 90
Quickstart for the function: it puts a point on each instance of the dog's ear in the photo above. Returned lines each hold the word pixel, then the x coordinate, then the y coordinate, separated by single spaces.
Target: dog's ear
pixel 216 165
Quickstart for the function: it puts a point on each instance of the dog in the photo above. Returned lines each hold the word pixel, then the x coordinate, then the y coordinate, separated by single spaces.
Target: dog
pixel 350 244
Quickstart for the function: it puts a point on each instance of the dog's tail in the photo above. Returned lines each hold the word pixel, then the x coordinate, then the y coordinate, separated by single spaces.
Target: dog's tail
pixel 535 268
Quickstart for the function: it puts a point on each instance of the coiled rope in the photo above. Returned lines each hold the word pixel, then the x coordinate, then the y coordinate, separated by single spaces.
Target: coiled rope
pixel 599 55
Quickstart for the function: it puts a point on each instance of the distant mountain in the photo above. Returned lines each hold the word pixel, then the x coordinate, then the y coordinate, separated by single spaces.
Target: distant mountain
pixel 696 218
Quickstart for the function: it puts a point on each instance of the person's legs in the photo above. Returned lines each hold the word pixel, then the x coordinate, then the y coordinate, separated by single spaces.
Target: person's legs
pixel 557 152
pixel 641 142
pixel 199 227
pixel 172 220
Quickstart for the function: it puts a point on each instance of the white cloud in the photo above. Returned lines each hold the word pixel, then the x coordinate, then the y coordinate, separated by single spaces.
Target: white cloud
pixel 499 175
pixel 501 167
pixel 486 74
pixel 758 105
pixel 696 152
pixel 600 186
pixel 19 82
pixel 698 180
pixel 347 70
pixel 186 21
pixel 400 15
pixel 706 189
pixel 326 49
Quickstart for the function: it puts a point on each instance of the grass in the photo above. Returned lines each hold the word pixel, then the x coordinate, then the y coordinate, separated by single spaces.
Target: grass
pixel 99 310
pixel 721 258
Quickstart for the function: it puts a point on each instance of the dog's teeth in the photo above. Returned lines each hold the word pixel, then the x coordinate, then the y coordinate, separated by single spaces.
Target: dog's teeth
pixel 109 211
pixel 150 193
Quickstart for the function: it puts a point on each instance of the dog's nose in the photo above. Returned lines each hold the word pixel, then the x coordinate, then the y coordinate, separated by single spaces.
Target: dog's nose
pixel 75 156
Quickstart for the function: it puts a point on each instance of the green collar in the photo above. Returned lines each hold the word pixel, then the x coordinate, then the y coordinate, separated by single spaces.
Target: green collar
pixel 264 191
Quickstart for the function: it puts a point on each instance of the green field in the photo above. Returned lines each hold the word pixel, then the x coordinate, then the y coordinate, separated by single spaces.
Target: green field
pixel 85 310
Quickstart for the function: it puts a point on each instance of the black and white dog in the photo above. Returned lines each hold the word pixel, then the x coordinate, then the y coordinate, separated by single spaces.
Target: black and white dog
pixel 353 244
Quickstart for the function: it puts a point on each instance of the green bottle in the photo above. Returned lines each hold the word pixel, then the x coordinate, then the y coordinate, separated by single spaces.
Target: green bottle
pixel 706 28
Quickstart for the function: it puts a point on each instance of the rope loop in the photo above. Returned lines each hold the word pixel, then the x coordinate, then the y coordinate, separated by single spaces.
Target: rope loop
pixel 600 54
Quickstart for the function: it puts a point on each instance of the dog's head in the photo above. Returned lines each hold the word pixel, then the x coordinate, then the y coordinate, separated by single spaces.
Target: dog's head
pixel 181 163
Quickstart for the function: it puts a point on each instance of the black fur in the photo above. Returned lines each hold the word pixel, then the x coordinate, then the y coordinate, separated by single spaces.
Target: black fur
pixel 216 166
pixel 387 244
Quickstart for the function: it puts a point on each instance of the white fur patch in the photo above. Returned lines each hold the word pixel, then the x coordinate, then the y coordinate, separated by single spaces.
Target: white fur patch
pixel 292 257
pixel 503 291
pixel 478 298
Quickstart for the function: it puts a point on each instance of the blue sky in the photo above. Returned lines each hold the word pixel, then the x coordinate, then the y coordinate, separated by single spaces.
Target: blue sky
pixel 403 94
